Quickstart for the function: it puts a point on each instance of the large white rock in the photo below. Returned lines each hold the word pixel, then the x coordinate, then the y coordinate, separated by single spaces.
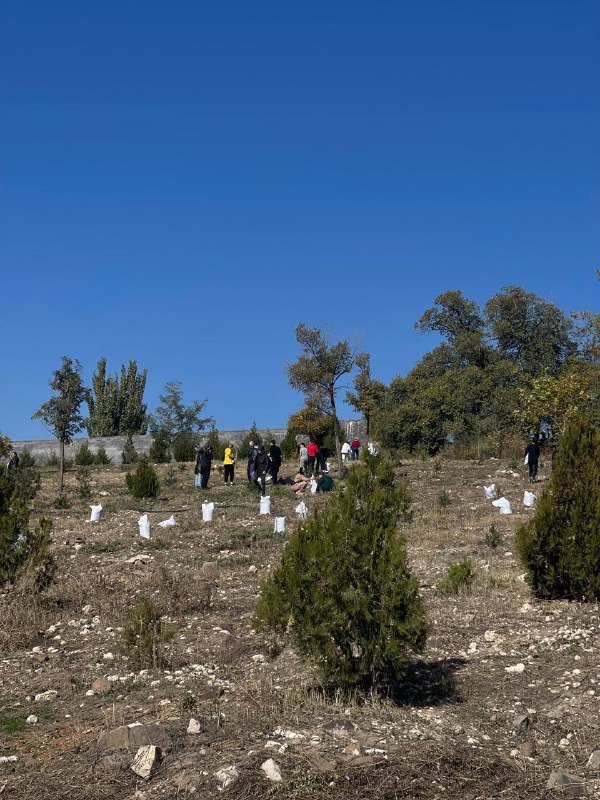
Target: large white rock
pixel 146 758
pixel 271 769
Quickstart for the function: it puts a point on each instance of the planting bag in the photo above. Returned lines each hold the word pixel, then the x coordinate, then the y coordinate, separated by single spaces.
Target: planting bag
pixel 167 523
pixel 279 525
pixel 490 492
pixel 265 505
pixel 503 505
pixel 207 512
pixel 144 524
pixel 96 513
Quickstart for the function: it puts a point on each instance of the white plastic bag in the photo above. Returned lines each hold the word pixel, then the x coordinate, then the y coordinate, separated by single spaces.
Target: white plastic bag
pixel 167 523
pixel 503 505
pixel 279 525
pixel 144 524
pixel 313 486
pixel 327 466
pixel 302 510
pixel 96 513
pixel 526 460
pixel 529 499
pixel 265 505
pixel 207 512
pixel 490 492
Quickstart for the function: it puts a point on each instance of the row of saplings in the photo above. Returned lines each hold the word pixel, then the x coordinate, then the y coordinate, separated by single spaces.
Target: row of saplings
pixel 343 594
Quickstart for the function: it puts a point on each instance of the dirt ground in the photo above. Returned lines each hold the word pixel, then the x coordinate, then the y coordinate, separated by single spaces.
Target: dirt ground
pixel 506 692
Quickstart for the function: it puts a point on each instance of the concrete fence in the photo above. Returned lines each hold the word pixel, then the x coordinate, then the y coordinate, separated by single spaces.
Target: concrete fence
pixel 42 450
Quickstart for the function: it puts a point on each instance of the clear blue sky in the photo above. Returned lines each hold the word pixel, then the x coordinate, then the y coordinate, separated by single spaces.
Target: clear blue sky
pixel 183 182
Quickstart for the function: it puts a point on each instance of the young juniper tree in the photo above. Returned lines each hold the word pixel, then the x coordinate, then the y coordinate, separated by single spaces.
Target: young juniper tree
pixel 60 415
pixel 560 545
pixel 173 419
pixel 344 593
pixel 317 373
pixel 116 405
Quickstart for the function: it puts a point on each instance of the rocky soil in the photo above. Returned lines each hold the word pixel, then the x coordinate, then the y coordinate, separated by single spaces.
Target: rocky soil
pixel 502 704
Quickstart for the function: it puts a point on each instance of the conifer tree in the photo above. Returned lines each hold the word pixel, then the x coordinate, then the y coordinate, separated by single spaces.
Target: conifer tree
pixel 560 545
pixel 116 404
pixel 344 592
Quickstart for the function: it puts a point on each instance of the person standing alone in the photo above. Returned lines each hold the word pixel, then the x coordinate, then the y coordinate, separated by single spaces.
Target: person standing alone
pixel 532 458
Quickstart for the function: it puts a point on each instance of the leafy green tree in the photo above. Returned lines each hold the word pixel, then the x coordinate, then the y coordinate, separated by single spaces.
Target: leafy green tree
pixel 549 403
pixel 116 404
pixel 60 415
pixel 368 396
pixel 173 418
pixel 344 593
pixel 560 545
pixel 534 334
pixel 184 446
pixel 318 371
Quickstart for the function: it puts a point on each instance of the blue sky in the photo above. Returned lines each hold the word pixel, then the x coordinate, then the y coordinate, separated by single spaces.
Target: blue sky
pixel 183 182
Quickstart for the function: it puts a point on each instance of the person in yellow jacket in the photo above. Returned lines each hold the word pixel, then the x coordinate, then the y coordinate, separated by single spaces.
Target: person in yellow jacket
pixel 229 465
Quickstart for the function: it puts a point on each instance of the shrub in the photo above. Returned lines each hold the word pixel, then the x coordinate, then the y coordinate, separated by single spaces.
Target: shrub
pixel 53 459
pixel 560 545
pixel 129 454
pixel 27 479
pixel 218 447
pixel 289 445
pixel 459 578
pixel 84 456
pixel 444 500
pixel 159 449
pixel 62 502
pixel 83 479
pixel 344 592
pixel 184 446
pixel 101 458
pixel 23 550
pixel 493 538
pixel 143 635
pixel 144 481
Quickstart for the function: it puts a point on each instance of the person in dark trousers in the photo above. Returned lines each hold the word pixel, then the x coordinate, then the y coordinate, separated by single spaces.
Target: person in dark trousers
pixel 322 457
pixel 252 450
pixel 275 460
pixel 261 467
pixel 355 446
pixel 13 462
pixel 204 465
pixel 312 451
pixel 532 454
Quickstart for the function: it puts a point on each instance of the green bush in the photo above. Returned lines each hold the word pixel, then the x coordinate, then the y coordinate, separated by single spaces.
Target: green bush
pixel 143 634
pixel 129 454
pixel 289 445
pixel 560 545
pixel 493 537
pixel 83 479
pixel 144 481
pixel 62 502
pixel 101 458
pixel 24 551
pixel 218 447
pixel 185 445
pixel 459 578
pixel 159 452
pixel 84 456
pixel 444 501
pixel 27 479
pixel 344 592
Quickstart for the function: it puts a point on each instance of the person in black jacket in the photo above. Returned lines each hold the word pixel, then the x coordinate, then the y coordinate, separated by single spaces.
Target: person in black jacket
pixel 261 467
pixel 275 460
pixel 532 454
pixel 204 465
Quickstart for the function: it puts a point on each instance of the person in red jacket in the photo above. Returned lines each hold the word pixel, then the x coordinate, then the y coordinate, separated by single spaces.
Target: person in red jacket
pixel 312 450
pixel 355 446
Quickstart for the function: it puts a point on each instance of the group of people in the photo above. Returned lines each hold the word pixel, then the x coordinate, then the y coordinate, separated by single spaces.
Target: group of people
pixel 351 450
pixel 260 464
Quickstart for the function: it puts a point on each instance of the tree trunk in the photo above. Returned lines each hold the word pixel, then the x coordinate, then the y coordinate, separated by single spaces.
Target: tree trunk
pixel 336 433
pixel 61 468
